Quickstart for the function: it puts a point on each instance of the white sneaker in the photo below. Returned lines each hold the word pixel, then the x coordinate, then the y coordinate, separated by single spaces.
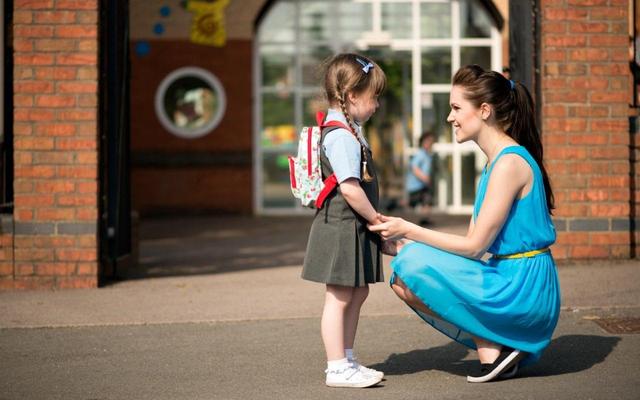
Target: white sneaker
pixel 367 371
pixel 350 377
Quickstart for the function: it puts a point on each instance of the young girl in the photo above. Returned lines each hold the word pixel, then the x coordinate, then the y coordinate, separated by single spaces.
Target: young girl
pixel 341 252
pixel 508 306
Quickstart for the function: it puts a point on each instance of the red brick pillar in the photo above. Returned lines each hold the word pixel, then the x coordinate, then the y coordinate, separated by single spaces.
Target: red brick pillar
pixel 55 143
pixel 586 92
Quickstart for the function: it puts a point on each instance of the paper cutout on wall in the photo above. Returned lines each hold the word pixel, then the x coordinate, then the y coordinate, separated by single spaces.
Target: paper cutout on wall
pixel 207 26
pixel 143 48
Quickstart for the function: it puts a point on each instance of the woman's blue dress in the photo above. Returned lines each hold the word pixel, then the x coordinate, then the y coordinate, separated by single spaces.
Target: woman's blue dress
pixel 513 302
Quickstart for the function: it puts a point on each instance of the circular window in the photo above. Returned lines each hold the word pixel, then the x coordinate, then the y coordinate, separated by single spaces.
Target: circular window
pixel 190 102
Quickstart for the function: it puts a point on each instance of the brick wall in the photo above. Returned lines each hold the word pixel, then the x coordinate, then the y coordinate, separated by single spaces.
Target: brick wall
pixel 54 223
pixel 586 92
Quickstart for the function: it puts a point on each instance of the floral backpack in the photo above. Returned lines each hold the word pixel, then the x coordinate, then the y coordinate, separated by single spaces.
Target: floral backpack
pixel 305 170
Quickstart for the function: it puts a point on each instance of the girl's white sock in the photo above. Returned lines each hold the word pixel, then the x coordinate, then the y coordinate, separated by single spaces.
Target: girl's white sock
pixel 333 365
pixel 349 354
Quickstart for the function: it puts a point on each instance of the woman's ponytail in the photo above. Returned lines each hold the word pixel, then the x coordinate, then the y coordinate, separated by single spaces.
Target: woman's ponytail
pixel 523 129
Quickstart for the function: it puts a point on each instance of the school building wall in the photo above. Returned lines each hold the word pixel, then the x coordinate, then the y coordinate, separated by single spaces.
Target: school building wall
pixel 50 239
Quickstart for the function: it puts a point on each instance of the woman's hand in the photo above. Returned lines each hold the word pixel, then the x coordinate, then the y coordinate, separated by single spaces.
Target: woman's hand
pixel 390 228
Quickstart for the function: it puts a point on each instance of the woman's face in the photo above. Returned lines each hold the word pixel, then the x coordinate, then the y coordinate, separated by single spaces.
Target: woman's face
pixel 362 106
pixel 464 116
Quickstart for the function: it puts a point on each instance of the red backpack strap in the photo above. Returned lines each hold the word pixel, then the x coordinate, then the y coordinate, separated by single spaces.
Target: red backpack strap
pixel 329 185
pixel 320 116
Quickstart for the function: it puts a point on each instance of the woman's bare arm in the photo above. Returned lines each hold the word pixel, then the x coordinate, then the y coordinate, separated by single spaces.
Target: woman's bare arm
pixel 510 176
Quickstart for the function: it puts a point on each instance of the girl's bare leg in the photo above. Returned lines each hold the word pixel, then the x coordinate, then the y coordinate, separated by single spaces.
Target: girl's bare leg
pixel 332 325
pixel 352 315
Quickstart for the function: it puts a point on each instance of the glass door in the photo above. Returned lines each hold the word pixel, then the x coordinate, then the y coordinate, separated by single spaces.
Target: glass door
pixel 419 44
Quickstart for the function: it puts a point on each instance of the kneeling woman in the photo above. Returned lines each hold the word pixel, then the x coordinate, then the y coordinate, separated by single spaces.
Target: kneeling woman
pixel 508 306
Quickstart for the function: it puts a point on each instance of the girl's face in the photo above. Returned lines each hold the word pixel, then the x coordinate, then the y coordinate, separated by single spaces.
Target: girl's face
pixel 362 106
pixel 464 116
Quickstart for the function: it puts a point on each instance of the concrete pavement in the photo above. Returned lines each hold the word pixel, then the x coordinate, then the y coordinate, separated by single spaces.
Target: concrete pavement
pixel 224 315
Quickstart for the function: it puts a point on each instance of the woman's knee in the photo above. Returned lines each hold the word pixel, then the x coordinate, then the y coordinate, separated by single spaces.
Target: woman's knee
pixel 405 293
pixel 399 291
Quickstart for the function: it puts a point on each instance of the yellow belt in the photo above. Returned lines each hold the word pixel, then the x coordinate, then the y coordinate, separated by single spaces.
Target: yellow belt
pixel 526 254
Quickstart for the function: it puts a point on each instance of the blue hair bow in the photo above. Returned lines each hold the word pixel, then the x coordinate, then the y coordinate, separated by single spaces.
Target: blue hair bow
pixel 365 65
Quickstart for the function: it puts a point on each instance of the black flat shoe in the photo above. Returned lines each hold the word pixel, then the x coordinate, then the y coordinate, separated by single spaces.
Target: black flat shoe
pixel 502 365
pixel 510 373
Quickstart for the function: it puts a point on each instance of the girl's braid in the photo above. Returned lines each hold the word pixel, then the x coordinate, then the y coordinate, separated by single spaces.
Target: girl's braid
pixel 365 170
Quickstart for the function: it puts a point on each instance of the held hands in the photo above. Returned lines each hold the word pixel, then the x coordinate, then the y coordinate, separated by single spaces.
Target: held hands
pixel 390 227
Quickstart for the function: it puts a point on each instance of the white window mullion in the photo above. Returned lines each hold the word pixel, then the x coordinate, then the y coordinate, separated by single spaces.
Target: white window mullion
pixel 297 80
pixel 496 50
pixel 376 9
pixel 456 179
pixel 416 71
pixel 435 87
pixel 455 36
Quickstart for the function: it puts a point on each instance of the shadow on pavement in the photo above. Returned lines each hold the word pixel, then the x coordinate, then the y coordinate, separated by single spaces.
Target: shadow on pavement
pixel 198 245
pixel 447 358
pixel 208 245
pixel 566 354
pixel 572 353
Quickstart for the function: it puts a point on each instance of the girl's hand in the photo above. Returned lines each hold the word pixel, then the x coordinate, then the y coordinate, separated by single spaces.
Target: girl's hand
pixel 390 228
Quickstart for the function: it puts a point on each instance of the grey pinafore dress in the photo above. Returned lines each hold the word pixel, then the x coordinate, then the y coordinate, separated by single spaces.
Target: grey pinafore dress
pixel 341 250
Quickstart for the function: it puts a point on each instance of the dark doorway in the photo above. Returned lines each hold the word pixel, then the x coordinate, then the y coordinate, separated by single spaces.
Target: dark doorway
pixel 115 193
pixel 6 118
pixel 524 47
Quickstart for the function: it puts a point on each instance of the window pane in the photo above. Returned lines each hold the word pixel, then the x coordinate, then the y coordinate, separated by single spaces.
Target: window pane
pixel 277 120
pixel 443 178
pixel 276 189
pixel 469 174
pixel 311 104
pixel 311 59
pixel 396 19
pixel 435 109
pixel 315 21
pixel 474 20
pixel 435 20
pixel 190 103
pixel 356 18
pixel 278 25
pixel 476 55
pixel 436 65
pixel 389 130
pixel 277 65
